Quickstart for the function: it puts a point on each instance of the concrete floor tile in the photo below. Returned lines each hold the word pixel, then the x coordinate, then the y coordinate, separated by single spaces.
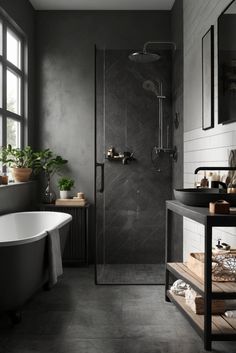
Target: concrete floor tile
pixel 79 317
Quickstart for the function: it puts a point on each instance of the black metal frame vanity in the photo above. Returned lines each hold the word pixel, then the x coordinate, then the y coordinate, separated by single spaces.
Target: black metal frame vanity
pixel 210 328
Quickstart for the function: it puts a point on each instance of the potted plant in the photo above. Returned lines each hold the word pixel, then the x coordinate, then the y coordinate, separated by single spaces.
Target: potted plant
pixel 65 184
pixel 50 164
pixel 21 161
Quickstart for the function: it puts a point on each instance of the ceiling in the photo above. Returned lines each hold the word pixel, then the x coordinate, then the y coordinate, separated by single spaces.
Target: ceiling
pixel 102 4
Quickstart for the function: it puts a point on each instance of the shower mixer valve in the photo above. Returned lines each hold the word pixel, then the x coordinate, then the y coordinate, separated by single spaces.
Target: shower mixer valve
pixel 125 157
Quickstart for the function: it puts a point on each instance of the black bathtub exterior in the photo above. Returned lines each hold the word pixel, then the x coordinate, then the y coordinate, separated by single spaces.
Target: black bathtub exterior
pixel 23 271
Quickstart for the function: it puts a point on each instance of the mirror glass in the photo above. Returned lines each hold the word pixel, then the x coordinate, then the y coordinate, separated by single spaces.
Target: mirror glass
pixel 227 65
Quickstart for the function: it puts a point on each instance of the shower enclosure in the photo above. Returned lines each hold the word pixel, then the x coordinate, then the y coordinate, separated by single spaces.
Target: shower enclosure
pixel 133 166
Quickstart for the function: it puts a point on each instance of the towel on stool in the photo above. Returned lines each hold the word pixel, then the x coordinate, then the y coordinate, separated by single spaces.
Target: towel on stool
pixel 54 256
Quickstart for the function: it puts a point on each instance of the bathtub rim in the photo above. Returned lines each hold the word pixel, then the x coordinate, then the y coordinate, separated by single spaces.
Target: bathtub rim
pixel 37 236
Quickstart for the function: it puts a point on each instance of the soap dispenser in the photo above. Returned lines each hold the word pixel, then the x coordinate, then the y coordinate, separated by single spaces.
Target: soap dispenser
pixel 204 181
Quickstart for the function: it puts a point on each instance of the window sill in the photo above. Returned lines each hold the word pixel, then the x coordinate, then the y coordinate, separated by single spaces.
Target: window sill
pixel 16 184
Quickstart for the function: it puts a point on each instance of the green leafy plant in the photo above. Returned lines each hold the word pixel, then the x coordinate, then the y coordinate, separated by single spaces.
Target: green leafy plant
pixel 18 158
pixel 48 162
pixel 65 184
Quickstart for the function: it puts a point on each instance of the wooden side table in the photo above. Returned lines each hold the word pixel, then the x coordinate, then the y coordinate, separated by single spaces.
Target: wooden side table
pixel 76 248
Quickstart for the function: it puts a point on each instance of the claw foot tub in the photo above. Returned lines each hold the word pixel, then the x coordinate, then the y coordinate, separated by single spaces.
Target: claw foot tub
pixel 23 254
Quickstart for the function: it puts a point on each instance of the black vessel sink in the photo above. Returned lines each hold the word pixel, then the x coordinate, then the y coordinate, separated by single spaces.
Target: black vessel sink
pixel 202 197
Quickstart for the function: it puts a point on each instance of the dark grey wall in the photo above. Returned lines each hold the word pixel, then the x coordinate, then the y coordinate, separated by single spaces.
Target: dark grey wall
pixel 65 53
pixel 133 203
pixel 177 107
pixel 22 197
pixel 65 43
pixel 18 197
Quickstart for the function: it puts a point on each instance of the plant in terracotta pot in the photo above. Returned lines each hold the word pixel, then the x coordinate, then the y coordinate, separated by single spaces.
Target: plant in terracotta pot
pixel 21 161
pixel 50 164
pixel 65 184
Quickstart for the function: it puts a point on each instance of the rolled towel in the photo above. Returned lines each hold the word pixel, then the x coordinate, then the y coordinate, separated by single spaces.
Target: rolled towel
pixel 179 287
pixel 54 256
pixel 230 314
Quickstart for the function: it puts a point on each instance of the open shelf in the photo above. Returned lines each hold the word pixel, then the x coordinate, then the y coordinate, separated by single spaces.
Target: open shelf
pixel 222 327
pixel 220 290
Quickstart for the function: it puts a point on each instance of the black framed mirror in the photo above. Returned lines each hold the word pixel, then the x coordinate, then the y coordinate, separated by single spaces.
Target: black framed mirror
pixel 227 65
pixel 208 79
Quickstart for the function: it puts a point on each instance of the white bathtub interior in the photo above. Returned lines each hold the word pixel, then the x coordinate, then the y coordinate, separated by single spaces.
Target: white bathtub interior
pixel 24 227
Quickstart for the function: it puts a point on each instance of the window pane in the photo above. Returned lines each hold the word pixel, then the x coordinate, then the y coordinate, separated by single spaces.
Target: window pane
pixel 13 92
pixel 0 37
pixel 0 140
pixel 13 132
pixel 13 49
pixel 0 131
pixel 0 86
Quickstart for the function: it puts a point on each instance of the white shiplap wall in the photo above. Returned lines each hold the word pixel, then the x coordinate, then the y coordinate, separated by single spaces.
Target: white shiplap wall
pixel 202 148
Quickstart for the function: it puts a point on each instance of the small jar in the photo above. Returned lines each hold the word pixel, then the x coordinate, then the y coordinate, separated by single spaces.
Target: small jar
pixel 4 179
pixel 231 190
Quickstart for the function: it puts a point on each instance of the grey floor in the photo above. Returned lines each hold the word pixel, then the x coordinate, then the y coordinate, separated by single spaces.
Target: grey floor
pixel 131 274
pixel 80 317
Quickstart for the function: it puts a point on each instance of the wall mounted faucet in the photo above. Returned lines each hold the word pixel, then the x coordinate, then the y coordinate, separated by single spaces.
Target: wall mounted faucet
pixel 216 183
pixel 125 157
pixel 213 168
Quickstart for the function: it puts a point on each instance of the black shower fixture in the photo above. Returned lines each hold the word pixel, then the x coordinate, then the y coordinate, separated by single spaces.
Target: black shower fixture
pixel 125 157
pixel 145 56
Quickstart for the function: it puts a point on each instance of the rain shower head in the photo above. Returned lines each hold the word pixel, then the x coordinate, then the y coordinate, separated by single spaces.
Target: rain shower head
pixel 144 57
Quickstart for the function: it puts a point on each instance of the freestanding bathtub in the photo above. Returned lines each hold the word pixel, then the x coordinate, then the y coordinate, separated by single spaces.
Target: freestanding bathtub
pixel 23 255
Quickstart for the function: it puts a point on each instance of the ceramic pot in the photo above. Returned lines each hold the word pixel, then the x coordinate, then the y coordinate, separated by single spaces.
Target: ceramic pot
pixel 64 194
pixel 21 174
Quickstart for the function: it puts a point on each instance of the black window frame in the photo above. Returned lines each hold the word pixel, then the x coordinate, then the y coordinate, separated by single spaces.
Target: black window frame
pixel 7 23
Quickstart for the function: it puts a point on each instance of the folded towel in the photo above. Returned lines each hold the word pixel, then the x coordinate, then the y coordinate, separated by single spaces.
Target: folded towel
pixel 54 256
pixel 230 313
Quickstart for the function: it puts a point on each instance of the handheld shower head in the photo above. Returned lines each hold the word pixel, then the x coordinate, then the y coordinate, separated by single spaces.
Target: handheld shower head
pixel 149 85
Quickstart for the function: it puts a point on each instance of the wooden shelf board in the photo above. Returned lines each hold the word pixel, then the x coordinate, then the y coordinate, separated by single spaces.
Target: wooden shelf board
pixel 220 324
pixel 218 288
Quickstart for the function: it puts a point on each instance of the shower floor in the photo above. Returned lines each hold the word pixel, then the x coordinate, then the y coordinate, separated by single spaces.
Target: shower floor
pixel 131 274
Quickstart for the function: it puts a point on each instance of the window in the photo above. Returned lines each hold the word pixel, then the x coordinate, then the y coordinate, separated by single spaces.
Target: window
pixel 12 85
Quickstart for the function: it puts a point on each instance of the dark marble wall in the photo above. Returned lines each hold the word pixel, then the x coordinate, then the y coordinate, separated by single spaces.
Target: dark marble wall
pixel 133 204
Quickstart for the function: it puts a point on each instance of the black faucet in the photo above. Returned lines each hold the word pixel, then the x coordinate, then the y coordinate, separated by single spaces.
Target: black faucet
pixel 213 168
pixel 216 184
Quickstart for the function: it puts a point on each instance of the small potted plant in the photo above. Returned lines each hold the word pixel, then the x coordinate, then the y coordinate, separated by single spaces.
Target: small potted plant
pixel 65 184
pixel 21 161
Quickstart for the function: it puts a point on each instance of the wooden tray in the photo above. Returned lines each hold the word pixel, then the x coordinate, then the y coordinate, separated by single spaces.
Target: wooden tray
pixel 71 202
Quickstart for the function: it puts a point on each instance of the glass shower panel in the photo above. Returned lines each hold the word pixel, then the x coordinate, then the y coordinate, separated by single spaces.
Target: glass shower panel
pixel 137 180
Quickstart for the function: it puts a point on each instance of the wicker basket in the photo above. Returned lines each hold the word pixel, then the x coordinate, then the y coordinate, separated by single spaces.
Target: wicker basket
pixel 223 266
